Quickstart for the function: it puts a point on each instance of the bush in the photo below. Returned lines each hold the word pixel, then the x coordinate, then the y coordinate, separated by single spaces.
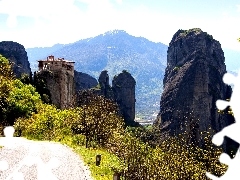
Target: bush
pixel 172 159
pixel 16 98
pixel 22 101
pixel 176 68
pixel 97 118
pixel 6 85
pixel 49 123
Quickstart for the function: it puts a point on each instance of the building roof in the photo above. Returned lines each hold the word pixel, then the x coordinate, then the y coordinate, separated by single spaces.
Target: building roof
pixel 57 60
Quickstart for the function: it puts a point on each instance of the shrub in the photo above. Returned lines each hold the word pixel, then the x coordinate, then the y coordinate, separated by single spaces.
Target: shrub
pixel 176 68
pixel 22 101
pixel 16 98
pixel 6 85
pixel 172 159
pixel 49 123
pixel 97 118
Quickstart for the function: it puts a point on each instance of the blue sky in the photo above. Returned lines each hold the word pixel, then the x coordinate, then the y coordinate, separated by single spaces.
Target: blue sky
pixel 41 23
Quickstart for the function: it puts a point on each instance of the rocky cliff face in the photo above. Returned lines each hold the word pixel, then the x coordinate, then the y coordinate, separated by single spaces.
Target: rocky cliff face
pixel 58 85
pixel 123 86
pixel 84 81
pixel 16 54
pixel 192 84
pixel 122 92
pixel 105 88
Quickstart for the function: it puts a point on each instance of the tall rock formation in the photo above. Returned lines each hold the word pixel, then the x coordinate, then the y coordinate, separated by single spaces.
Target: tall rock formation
pixel 58 80
pixel 123 86
pixel 192 85
pixel 105 88
pixel 16 54
pixel 122 92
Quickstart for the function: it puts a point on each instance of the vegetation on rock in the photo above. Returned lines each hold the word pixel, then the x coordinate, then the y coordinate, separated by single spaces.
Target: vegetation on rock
pixel 186 32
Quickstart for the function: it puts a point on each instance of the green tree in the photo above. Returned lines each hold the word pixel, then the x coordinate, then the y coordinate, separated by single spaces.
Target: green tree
pixel 98 118
pixel 39 82
pixel 26 79
pixel 22 101
pixel 47 123
pixel 6 85
pixel 16 98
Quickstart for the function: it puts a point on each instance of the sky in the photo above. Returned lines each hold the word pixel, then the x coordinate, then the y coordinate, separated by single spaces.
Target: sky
pixel 43 23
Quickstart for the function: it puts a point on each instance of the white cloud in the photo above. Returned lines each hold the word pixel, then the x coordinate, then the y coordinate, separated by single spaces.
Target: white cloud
pixel 11 21
pixel 55 20
pixel 119 1
pixel 238 7
pixel 160 27
pixel 61 21
pixel 36 8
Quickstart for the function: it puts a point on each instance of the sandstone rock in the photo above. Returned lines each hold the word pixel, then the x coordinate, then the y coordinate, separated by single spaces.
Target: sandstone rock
pixel 122 92
pixel 60 86
pixel 84 81
pixel 123 86
pixel 105 88
pixel 104 80
pixel 192 84
pixel 16 54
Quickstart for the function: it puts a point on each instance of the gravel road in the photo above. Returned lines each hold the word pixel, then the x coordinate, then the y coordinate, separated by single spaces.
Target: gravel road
pixel 23 159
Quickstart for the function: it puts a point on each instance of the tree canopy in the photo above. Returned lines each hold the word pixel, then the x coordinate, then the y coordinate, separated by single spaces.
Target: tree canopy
pixel 16 98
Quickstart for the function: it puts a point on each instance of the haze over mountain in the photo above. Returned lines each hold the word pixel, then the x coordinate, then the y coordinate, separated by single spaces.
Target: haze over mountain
pixel 115 51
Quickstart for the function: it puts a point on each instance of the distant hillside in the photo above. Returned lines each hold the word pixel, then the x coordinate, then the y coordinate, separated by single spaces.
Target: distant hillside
pixel 115 51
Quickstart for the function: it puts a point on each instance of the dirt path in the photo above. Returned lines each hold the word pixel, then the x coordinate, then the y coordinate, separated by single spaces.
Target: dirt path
pixel 24 159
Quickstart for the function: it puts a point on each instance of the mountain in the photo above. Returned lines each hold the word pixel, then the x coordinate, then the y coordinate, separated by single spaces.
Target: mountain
pixel 116 51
